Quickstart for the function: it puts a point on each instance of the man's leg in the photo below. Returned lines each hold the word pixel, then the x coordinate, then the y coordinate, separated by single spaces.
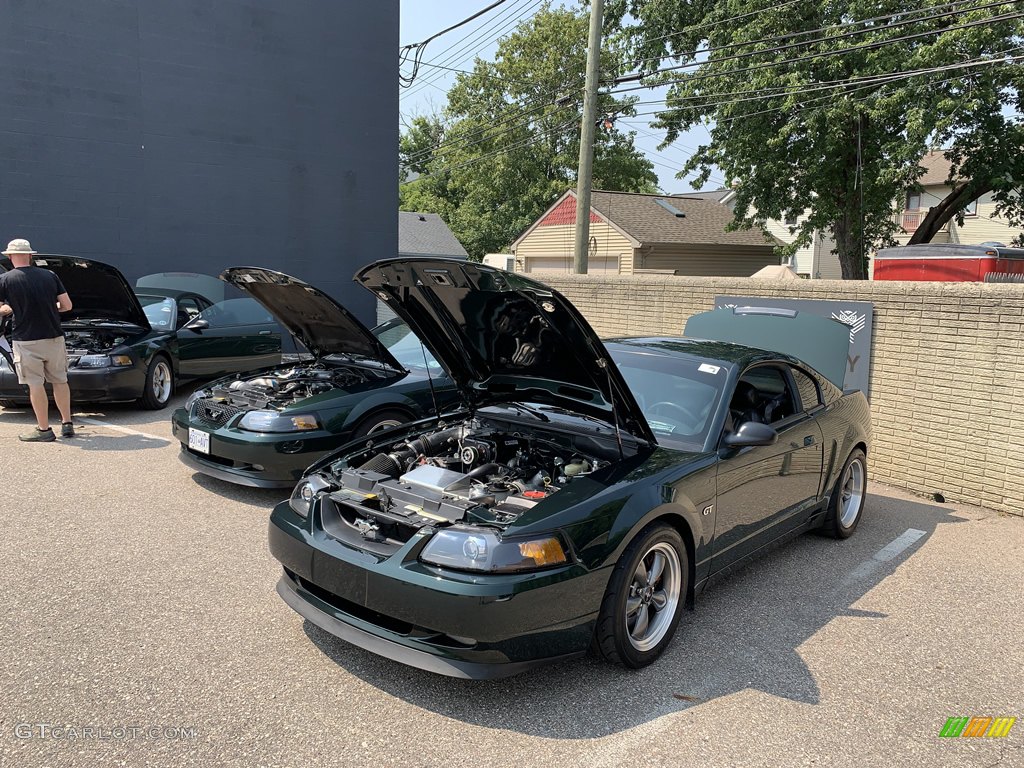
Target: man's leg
pixel 62 397
pixel 40 405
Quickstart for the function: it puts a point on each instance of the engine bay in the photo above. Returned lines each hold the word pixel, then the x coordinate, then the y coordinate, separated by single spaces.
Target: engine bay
pixel 278 389
pixel 89 342
pixel 471 473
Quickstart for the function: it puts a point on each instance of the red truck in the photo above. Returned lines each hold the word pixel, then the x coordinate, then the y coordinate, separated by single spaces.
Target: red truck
pixel 950 262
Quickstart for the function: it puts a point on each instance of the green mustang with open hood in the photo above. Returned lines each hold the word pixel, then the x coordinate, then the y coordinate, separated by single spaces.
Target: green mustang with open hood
pixel 587 491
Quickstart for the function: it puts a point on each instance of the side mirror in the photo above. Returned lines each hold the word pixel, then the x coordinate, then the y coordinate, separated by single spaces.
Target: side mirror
pixel 751 433
pixel 198 324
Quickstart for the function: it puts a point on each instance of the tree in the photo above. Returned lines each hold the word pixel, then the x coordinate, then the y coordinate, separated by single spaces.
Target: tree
pixel 811 110
pixel 506 145
pixel 987 154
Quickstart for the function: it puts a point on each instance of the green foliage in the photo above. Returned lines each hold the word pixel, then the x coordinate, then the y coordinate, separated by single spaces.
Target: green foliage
pixel 845 154
pixel 506 145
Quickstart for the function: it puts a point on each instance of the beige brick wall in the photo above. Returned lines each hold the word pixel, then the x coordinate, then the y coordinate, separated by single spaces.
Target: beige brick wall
pixel 947 368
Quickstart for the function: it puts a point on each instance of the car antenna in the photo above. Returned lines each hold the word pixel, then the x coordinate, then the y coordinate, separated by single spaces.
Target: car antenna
pixel 603 363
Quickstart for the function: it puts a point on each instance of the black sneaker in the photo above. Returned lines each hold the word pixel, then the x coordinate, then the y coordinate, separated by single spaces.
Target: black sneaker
pixel 67 429
pixel 38 436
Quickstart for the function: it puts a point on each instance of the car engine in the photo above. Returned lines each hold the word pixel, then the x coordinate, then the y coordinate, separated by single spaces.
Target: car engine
pixel 281 388
pixel 89 342
pixel 470 473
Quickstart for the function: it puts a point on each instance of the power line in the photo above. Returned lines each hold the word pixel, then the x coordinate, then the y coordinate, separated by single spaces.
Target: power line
pixel 808 57
pixel 472 161
pixel 952 7
pixel 419 47
pixel 466 46
pixel 833 84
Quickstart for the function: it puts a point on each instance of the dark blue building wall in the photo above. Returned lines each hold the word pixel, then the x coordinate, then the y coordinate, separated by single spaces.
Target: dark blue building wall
pixel 193 135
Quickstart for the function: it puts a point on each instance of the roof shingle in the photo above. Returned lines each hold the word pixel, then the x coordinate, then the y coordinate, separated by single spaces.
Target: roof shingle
pixel 647 220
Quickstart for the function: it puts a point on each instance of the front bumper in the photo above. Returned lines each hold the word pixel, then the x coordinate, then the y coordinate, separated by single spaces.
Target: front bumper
pixel 88 385
pixel 477 626
pixel 254 459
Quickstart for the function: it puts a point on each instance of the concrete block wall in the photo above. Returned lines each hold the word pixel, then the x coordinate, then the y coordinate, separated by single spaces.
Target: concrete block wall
pixel 947 368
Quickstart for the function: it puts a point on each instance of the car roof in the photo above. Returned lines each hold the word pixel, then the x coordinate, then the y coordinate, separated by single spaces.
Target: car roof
pixel 722 352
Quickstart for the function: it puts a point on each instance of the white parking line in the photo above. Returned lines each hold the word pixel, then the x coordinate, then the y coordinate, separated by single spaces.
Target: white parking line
pixel 884 555
pixel 117 428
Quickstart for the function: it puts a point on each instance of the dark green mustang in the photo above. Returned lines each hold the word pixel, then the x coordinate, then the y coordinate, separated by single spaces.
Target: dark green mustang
pixel 587 492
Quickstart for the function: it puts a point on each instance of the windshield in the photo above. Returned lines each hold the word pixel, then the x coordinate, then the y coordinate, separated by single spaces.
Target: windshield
pixel 161 312
pixel 207 286
pixel 405 346
pixel 678 394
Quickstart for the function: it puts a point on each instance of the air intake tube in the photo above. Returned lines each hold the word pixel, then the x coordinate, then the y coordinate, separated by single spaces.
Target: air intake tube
pixel 394 463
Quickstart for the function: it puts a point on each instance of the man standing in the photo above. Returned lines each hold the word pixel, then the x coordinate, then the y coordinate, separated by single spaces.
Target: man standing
pixel 35 296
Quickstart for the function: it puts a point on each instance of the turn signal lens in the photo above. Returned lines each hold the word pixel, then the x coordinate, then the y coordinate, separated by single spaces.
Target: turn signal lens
pixel 305 421
pixel 543 551
pixel 121 361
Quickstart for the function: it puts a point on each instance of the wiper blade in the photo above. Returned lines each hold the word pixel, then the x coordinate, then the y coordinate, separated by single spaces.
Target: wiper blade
pixel 529 410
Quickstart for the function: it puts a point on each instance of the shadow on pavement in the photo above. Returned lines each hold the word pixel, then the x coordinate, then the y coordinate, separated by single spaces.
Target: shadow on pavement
pixel 263 498
pixel 745 633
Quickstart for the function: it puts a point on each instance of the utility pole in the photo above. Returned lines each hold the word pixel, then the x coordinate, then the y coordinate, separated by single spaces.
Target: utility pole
pixel 586 168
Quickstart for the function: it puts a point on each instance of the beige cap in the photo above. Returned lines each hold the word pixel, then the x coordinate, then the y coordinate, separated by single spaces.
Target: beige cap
pixel 17 246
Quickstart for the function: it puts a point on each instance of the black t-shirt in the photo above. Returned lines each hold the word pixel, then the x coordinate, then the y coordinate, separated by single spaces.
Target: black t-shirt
pixel 32 293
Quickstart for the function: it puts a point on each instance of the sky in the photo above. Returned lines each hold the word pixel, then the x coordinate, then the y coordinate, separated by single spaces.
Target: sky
pixel 422 18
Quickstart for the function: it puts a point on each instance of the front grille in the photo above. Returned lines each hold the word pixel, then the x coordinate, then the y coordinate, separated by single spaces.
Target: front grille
pixel 214 412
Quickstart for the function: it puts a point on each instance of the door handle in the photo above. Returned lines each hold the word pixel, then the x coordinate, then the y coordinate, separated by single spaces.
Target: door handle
pixel 809 440
pixel 265 333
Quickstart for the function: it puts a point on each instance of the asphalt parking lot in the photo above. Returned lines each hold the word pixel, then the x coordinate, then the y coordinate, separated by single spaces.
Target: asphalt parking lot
pixel 141 596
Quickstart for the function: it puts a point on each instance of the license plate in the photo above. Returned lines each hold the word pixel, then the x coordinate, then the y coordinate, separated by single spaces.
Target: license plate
pixel 198 440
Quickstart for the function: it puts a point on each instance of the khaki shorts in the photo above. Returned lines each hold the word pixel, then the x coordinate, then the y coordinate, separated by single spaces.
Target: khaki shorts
pixel 41 360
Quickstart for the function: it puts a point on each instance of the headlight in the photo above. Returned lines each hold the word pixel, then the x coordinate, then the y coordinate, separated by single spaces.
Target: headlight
pixel 104 361
pixel 305 494
pixel 480 550
pixel 199 394
pixel 272 421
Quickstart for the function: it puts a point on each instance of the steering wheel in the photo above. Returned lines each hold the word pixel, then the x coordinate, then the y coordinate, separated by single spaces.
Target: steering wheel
pixel 691 417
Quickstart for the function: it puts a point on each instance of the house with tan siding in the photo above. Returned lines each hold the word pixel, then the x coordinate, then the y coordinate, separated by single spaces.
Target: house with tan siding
pixel 981 224
pixel 632 233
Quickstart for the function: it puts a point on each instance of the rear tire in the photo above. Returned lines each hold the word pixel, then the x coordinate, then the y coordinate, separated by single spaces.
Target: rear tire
pixel 13 405
pixel 159 384
pixel 645 598
pixel 847 502
pixel 379 420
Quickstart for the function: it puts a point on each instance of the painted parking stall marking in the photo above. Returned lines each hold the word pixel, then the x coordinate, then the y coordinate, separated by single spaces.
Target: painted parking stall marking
pixel 884 555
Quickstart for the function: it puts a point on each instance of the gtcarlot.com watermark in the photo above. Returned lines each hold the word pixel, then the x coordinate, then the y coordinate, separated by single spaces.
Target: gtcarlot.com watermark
pixel 69 732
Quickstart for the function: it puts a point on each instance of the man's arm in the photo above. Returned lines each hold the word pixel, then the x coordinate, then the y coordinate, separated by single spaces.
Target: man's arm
pixel 63 303
pixel 5 309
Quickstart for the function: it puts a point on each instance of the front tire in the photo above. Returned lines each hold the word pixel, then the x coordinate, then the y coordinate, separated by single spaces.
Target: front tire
pixel 159 384
pixel 847 502
pixel 13 405
pixel 645 597
pixel 375 422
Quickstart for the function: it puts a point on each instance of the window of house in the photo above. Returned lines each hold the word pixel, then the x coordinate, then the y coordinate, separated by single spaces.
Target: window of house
pixel 971 209
pixel 913 201
pixel 791 220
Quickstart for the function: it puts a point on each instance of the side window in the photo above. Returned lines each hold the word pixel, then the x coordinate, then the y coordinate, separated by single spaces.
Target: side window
pixel 236 312
pixel 810 398
pixel 188 309
pixel 763 395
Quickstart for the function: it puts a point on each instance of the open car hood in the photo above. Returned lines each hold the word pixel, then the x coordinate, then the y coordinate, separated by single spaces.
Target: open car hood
pixel 314 318
pixel 821 342
pixel 98 291
pixel 506 338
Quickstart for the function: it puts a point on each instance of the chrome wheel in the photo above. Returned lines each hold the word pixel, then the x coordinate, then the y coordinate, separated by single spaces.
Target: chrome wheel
pixel 653 596
pixel 161 381
pixel 851 492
